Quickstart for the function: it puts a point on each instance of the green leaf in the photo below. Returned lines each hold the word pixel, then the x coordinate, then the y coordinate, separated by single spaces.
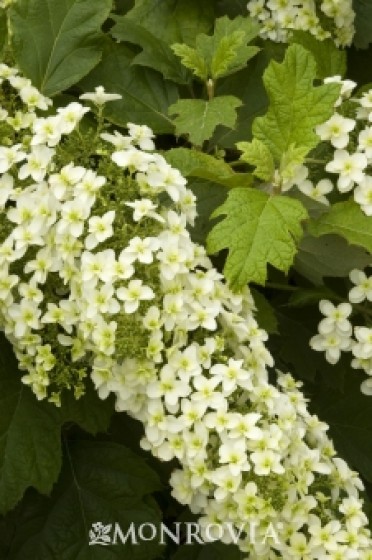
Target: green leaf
pixel 191 59
pixel 146 96
pixel 198 118
pixel 34 458
pixel 174 21
pixel 258 229
pixel 293 352
pixel 330 60
pixel 228 45
pixel 248 86
pixel 265 314
pixel 303 297
pixel 57 43
pixel 209 196
pixel 191 162
pixel 349 416
pixel 348 220
pixel 329 255
pixel 290 160
pixel 216 550
pixel 3 29
pixel 363 23
pixel 156 53
pixel 296 106
pixel 100 482
pixel 222 53
pixel 256 153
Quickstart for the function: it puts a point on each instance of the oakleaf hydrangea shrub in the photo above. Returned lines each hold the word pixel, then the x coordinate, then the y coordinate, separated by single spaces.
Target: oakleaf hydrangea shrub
pixel 101 282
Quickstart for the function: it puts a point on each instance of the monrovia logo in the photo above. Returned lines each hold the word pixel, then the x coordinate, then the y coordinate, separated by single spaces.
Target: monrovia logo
pixel 181 533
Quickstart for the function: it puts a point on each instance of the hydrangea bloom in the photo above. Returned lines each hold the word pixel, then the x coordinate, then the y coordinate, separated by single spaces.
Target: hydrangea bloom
pixel 326 19
pixel 100 279
pixel 337 334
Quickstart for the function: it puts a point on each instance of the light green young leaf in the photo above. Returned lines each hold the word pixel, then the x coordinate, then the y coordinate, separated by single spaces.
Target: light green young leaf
pixel 330 60
pixel 229 45
pixel 348 220
pixel 198 118
pixel 296 105
pixel 256 153
pixel 191 59
pixel 57 43
pixel 291 159
pixel 146 96
pixel 222 53
pixel 258 229
pixel 156 53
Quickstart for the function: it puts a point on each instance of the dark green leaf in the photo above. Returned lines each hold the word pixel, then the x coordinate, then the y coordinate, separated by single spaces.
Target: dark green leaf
pixel 296 327
pixel 348 220
pixel 100 482
pixel 156 53
pixel 30 447
pixel 212 551
pixel 329 255
pixel 349 416
pixel 146 96
pixel 174 21
pixel 363 23
pixel 209 196
pixel 265 314
pixel 57 43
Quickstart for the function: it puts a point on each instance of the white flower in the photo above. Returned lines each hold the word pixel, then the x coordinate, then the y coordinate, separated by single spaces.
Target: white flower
pixel 10 156
pixel 318 192
pixel 365 141
pixel 100 229
pixel 47 131
pixel 363 195
pixel 133 159
pixel 144 208
pixel 363 286
pixel 350 168
pixel 140 250
pixel 336 130
pixel 100 97
pixel 6 188
pixel 133 294
pixel 142 136
pixel 266 461
pixel 336 318
pixel 37 163
pixel 331 344
pixel 71 115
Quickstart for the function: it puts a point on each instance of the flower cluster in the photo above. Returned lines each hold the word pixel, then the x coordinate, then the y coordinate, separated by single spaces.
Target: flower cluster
pixel 326 19
pixel 100 279
pixel 345 146
pixel 336 333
